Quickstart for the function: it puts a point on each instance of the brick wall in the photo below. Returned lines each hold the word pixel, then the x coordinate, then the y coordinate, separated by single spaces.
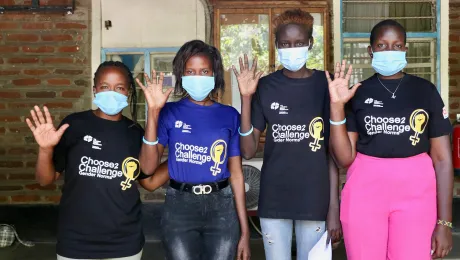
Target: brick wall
pixel 44 59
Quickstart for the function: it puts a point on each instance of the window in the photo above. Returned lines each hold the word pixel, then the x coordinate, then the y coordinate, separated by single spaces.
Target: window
pixel 141 60
pixel 421 20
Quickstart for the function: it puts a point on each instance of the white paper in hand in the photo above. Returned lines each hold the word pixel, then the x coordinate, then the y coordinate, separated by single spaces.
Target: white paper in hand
pixel 322 250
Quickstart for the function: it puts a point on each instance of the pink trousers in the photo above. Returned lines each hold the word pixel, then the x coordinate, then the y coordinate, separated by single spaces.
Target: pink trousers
pixel 388 209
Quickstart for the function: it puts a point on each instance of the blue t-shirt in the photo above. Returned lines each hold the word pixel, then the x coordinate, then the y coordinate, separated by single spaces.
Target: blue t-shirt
pixel 200 140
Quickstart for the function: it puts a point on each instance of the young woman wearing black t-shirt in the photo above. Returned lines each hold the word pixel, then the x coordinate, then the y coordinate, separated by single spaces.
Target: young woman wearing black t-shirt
pixel 397 202
pixel 294 102
pixel 100 208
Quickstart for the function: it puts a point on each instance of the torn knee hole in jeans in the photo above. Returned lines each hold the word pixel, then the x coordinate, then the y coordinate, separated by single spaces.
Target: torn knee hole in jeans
pixel 269 240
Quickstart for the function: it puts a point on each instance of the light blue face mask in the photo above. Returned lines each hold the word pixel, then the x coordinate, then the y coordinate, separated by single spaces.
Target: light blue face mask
pixel 110 102
pixel 293 59
pixel 198 87
pixel 388 63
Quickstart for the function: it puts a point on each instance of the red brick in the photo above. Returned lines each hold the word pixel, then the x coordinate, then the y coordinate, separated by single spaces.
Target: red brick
pixel 2 106
pixel 70 26
pixel 59 82
pixel 67 49
pixel 453 82
pixel 37 72
pixel 25 198
pixel 37 186
pixel 4 199
pixel 22 37
pixel 26 82
pixel 10 119
pixel 55 2
pixel 454 93
pixel 40 49
pixel 454 38
pixel 10 94
pixel 9 49
pixel 453 61
pixel 454 105
pixel 57 38
pixel 37 26
pixel 55 199
pixel 7 26
pixel 30 164
pixel 79 38
pixel 21 176
pixel 10 188
pixel 2 130
pixel 11 164
pixel 15 2
pixel 1 60
pixel 22 60
pixel 58 60
pixel 454 49
pixel 20 105
pixel 9 72
pixel 454 72
pixel 2 152
pixel 41 94
pixel 17 130
pixel 68 72
pixel 59 105
pixel 72 94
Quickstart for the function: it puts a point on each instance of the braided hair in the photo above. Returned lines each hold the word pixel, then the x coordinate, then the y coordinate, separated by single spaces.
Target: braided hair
pixel 129 77
pixel 197 47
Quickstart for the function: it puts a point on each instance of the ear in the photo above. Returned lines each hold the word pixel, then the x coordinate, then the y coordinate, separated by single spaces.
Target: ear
pixel 94 91
pixel 312 40
pixel 369 50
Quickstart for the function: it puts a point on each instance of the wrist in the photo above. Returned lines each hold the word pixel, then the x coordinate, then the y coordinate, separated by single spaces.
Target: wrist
pixel 154 110
pixel 246 98
pixel 337 106
pixel 46 150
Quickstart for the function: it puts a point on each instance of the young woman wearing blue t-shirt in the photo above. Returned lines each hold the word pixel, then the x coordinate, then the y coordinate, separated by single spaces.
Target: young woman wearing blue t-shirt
pixel 200 220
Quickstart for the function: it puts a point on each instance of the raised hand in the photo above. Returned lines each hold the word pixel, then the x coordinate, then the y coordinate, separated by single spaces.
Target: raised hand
pixel 154 95
pixel 248 78
pixel 339 90
pixel 43 129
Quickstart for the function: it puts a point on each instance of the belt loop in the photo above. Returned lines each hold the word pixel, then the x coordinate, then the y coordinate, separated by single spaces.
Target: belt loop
pixel 182 186
pixel 217 186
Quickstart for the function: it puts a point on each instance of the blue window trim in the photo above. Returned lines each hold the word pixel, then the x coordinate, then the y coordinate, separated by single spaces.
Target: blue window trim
pixel 146 51
pixel 436 35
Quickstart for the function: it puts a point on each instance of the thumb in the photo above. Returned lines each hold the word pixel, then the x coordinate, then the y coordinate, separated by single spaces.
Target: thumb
pixel 62 129
pixel 168 92
pixel 433 245
pixel 355 87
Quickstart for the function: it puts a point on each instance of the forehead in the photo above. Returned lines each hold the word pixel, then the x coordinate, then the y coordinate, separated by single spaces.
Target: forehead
pixel 199 60
pixel 390 33
pixel 292 31
pixel 112 73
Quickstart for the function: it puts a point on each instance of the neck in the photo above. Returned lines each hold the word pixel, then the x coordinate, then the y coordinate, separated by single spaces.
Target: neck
pixel 101 114
pixel 205 102
pixel 302 73
pixel 395 76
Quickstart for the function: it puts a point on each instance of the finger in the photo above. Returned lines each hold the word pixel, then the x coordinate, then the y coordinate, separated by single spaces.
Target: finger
pixel 48 118
pixel 40 115
pixel 337 70
pixel 62 129
pixel 328 77
pixel 168 92
pixel 246 62
pixel 154 77
pixel 235 71
pixel 147 79
pixel 31 126
pixel 241 65
pixel 433 248
pixel 259 74
pixel 254 65
pixel 444 253
pixel 350 70
pixel 160 81
pixel 342 69
pixel 35 118
pixel 355 87
pixel 141 85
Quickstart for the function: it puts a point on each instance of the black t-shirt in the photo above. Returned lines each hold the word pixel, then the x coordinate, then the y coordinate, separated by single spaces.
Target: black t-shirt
pixel 294 179
pixel 100 212
pixel 400 127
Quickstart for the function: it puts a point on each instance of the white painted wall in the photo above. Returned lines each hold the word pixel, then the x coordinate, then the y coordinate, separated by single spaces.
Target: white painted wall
pixel 151 23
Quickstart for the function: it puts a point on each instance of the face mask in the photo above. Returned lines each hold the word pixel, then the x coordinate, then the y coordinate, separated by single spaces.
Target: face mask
pixel 388 63
pixel 198 87
pixel 110 102
pixel 293 59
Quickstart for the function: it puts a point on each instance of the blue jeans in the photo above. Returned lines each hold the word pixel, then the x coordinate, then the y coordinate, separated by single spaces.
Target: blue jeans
pixel 200 227
pixel 277 236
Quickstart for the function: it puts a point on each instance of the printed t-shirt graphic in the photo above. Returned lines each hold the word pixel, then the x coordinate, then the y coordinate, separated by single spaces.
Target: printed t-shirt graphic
pixel 100 209
pixel 200 140
pixel 401 127
pixel 294 179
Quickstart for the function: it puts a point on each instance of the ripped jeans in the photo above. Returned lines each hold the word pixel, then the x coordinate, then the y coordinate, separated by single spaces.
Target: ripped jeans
pixel 277 236
pixel 200 227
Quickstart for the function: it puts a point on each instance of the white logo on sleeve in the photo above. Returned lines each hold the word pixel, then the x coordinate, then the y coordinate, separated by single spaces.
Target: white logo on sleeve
pixel 96 144
pixel 283 110
pixel 374 102
pixel 178 124
pixel 444 113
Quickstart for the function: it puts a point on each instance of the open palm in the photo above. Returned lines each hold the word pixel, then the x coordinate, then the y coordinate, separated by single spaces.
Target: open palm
pixel 43 129
pixel 339 90
pixel 248 78
pixel 154 95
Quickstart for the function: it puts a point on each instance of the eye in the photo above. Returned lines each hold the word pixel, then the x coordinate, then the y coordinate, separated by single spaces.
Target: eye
pixel 189 72
pixel 205 71
pixel 380 45
pixel 104 86
pixel 284 44
pixel 120 88
pixel 299 44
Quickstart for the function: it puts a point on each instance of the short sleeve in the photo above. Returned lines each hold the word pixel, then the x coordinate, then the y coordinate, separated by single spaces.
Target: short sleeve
pixel 439 124
pixel 257 115
pixel 61 149
pixel 234 144
pixel 351 117
pixel 163 137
